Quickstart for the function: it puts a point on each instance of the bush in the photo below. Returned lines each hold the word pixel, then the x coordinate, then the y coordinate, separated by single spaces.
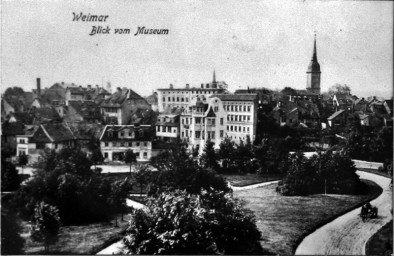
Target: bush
pixel 323 173
pixel 11 241
pixel 177 222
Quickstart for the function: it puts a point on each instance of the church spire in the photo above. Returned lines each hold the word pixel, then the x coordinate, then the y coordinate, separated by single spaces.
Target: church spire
pixel 314 57
pixel 214 76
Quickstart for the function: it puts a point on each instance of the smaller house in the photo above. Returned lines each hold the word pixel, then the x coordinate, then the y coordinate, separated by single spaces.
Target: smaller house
pixel 83 111
pixel 364 119
pixel 338 118
pixel 167 125
pixel 115 140
pixel 360 105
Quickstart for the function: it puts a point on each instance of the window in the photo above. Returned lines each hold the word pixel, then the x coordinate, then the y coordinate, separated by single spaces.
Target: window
pixel 55 145
pixel 110 134
pixel 137 144
pixel 105 155
pixel 169 98
pixel 121 134
pixel 145 144
pixel 198 134
pixel 213 135
pixel 164 98
pixel 183 134
pixel 122 144
pixel 198 120
pixel 221 121
pixel 177 99
pixel 216 109
pixel 130 144
pixel 145 155
pixel 248 108
pixel 106 144
pixel 221 133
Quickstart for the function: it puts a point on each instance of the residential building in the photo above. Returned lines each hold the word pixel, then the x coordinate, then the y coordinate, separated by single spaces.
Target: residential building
pixel 115 140
pixel 119 108
pixel 168 125
pixel 181 97
pixel 241 119
pixel 38 137
pixel 338 118
pixel 204 119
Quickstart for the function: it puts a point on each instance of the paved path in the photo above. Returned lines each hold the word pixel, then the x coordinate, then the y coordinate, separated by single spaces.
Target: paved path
pixel 258 185
pixel 348 234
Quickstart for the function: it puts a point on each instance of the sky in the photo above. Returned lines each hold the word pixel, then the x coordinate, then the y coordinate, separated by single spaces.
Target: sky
pixel 249 44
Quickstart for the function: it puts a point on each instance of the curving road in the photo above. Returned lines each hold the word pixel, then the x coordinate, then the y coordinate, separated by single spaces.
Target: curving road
pixel 348 234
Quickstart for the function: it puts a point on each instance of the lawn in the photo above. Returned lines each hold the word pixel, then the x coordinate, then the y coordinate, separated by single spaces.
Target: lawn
pixel 239 180
pixel 382 242
pixel 82 239
pixel 284 221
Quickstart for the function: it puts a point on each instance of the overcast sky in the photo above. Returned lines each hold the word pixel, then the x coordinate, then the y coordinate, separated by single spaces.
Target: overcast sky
pixel 256 44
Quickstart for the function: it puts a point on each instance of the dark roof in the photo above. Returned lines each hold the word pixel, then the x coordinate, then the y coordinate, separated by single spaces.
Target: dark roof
pixel 24 118
pixel 119 97
pixel 152 99
pixel 142 133
pixel 46 113
pixel 77 90
pixel 236 97
pixel 84 131
pixel 335 114
pixel 85 108
pixel 14 128
pixel 58 132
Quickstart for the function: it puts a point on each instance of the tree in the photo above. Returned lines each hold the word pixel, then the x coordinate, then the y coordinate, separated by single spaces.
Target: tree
pixel 11 241
pixel 13 91
pixel 141 176
pixel 46 224
pixel 118 196
pixel 226 153
pixel 130 157
pixel 65 179
pixel 23 160
pixel 96 157
pixel 10 179
pixel 339 88
pixel 209 158
pixel 177 222
pixel 289 91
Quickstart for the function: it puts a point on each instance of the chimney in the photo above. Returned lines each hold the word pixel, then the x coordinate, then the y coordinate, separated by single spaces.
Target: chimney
pixel 187 86
pixel 38 86
pixel 171 86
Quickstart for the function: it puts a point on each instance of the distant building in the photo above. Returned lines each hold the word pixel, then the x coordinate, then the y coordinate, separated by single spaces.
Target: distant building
pixel 153 102
pixel 116 139
pixel 313 73
pixel 338 118
pixel 181 97
pixel 83 111
pixel 119 107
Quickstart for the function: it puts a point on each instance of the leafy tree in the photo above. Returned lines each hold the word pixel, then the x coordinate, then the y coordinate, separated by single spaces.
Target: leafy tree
pixel 11 241
pixel 323 173
pixel 339 88
pixel 46 224
pixel 141 176
pixel 226 153
pixel 118 196
pixel 177 222
pixel 23 160
pixel 209 158
pixel 289 91
pixel 96 157
pixel 10 179
pixel 178 170
pixel 130 157
pixel 65 179
pixel 13 91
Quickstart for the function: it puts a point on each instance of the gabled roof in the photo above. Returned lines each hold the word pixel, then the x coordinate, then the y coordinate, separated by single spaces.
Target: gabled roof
pixel 84 131
pixel 142 133
pixel 119 97
pixel 14 128
pixel 24 117
pixel 85 108
pixel 336 114
pixel 46 113
pixel 57 132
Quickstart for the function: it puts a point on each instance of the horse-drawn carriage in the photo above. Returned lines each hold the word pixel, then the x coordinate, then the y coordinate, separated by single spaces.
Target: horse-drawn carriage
pixel 368 211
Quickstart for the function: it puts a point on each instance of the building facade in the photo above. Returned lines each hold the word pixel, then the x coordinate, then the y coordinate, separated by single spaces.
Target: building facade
pixel 115 140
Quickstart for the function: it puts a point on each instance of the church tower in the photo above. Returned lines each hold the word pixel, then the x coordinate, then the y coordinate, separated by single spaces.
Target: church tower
pixel 313 73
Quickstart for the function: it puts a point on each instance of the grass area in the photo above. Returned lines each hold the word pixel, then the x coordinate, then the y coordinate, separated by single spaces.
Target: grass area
pixel 239 180
pixel 374 171
pixel 382 242
pixel 284 221
pixel 82 239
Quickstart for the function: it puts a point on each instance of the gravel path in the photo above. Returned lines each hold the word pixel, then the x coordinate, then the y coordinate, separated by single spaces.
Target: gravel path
pixel 258 185
pixel 348 234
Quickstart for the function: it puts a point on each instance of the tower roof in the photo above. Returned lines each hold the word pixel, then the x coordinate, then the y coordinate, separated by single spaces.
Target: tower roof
pixel 314 65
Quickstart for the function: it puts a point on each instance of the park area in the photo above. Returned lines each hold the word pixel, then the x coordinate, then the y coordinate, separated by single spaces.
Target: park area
pixel 285 220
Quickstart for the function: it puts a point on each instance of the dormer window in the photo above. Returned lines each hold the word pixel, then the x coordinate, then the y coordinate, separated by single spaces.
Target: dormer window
pixel 110 134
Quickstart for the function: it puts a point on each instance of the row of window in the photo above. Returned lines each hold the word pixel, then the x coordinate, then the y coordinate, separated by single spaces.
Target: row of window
pixel 238 118
pixel 238 128
pixel 193 92
pixel 176 99
pixel 125 144
pixel 237 108
pixel 165 129
pixel 111 110
pixel 144 154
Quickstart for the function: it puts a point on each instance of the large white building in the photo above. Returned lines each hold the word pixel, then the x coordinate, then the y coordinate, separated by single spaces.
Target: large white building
pixel 181 97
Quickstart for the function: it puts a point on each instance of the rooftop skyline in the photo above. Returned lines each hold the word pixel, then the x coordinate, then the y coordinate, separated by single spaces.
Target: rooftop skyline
pixel 263 44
